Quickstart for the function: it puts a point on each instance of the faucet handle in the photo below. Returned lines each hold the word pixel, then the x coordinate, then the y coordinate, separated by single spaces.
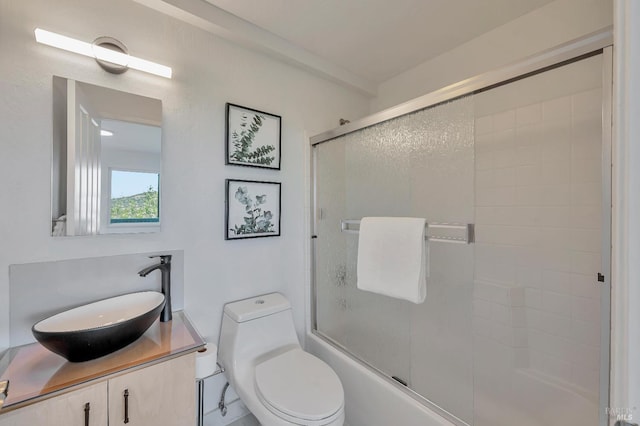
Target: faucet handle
pixel 164 258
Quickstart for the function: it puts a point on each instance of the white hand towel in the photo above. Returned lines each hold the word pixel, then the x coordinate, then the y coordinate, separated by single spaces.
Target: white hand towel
pixel 392 257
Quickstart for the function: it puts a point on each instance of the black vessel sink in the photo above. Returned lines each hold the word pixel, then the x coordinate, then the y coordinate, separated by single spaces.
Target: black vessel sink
pixel 97 329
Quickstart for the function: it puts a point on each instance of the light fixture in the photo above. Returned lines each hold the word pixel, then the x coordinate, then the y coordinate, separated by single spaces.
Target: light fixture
pixel 108 52
pixel 104 132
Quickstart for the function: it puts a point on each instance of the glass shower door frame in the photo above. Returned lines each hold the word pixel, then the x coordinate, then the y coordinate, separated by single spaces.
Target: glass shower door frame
pixel 599 43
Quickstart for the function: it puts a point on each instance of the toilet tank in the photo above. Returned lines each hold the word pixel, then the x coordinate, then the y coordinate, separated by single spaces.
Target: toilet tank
pixel 254 327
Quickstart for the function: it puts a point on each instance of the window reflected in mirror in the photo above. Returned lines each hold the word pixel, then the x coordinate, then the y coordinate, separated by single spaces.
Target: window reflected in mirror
pixel 134 197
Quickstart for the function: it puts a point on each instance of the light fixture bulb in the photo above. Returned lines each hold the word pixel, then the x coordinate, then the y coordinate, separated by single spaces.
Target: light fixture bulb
pixel 104 132
pixel 94 51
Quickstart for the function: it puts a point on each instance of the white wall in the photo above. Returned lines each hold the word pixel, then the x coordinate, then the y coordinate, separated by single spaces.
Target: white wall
pixel 208 72
pixel 625 337
pixel 544 28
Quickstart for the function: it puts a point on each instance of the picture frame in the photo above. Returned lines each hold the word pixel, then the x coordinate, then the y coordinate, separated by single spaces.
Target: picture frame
pixel 252 209
pixel 253 138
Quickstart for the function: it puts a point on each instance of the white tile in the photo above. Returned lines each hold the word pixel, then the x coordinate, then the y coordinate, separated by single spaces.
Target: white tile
pixel 534 319
pixel 556 367
pixel 587 105
pixel 585 286
pixel 483 271
pixel 484 125
pixel 501 314
pixel 536 360
pixel 486 215
pixel 586 194
pixel 533 297
pixel 586 170
pixel 491 292
pixel 557 303
pixel 529 135
pixel 587 133
pixel 508 216
pixel 482 327
pixel 504 139
pixel 502 333
pixel 555 195
pixel 482 309
pixel 586 378
pixel 483 291
pixel 526 236
pixel 586 216
pixel 587 147
pixel 558 238
pixel 521 358
pixel 586 263
pixel 556 259
pixel 530 257
pixel 484 143
pixel 586 332
pixel 530 216
pixel 516 296
pixel 529 276
pixel 519 316
pixel 504 196
pixel 557 325
pixel 484 178
pixel 557 281
pixel 504 157
pixel 557 132
pixel 504 273
pixel 528 175
pixel 529 114
pixel 588 240
pixel 557 109
pixel 538 341
pixel 531 195
pixel 555 172
pixel 585 356
pixel 505 177
pixel 555 216
pixel 527 154
pixel 585 309
pixel 520 337
pixel 504 120
pixel 484 160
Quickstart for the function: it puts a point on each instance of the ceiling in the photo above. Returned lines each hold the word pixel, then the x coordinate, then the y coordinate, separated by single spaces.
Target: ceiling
pixel 377 39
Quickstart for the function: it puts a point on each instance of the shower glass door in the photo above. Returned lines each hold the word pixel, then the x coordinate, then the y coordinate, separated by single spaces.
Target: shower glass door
pixel 510 329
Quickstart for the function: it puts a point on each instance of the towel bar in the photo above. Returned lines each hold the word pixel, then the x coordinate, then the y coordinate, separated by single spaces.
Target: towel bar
pixel 434 231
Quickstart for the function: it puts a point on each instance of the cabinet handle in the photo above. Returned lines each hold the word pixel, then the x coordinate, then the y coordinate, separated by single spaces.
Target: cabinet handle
pixel 126 405
pixel 87 408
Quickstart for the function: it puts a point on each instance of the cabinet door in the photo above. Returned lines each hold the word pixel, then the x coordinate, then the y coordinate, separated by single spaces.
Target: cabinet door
pixel 160 395
pixel 67 410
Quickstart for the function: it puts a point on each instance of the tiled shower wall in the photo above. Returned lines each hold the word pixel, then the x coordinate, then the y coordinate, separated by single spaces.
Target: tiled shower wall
pixel 538 249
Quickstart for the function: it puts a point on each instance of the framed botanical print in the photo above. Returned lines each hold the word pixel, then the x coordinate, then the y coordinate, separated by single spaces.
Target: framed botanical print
pixel 252 209
pixel 253 138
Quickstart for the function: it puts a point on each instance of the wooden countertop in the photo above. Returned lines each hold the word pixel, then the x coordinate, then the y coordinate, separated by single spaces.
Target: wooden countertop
pixel 35 373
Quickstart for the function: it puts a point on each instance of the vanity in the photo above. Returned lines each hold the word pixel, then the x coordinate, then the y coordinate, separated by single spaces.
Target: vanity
pixel 149 382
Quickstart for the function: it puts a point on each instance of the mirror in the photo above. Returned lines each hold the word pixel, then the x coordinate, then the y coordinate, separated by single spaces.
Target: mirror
pixel 106 162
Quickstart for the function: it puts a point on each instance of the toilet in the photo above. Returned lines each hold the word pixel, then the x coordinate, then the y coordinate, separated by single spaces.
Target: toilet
pixel 280 383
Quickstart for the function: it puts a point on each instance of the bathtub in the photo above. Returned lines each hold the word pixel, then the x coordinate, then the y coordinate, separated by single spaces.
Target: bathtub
pixel 371 400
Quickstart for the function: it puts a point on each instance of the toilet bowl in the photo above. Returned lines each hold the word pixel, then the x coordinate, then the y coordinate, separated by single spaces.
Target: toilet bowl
pixel 277 380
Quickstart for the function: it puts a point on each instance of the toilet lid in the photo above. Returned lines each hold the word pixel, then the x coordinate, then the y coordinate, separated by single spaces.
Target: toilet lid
pixel 300 385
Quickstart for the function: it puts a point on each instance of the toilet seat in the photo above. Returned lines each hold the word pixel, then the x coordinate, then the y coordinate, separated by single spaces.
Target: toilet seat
pixel 297 386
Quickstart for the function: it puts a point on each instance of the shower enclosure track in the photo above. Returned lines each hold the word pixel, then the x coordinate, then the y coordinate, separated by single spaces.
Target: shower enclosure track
pixel 564 54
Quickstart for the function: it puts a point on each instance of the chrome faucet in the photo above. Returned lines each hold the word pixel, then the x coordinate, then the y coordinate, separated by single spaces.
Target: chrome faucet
pixel 4 391
pixel 165 269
